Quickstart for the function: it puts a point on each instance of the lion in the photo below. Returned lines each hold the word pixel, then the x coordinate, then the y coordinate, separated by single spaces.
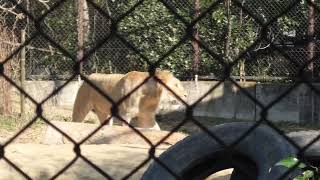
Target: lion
pixel 88 98
pixel 139 106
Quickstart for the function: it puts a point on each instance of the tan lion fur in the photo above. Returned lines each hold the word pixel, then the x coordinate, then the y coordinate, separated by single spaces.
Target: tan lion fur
pixel 141 104
pixel 88 98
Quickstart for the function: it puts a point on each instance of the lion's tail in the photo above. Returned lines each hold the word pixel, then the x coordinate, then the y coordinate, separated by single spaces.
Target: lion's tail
pixel 82 104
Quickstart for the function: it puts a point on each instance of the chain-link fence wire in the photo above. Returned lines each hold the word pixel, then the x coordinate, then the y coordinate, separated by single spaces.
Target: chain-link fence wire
pixel 65 54
pixel 288 36
pixel 288 33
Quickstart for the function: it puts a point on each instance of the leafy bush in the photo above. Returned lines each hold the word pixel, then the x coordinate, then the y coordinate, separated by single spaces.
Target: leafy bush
pixel 308 172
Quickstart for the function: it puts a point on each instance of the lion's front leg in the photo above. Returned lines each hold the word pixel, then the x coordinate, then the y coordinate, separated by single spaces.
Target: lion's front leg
pixel 110 123
pixel 147 120
pixel 147 113
pixel 126 117
pixel 127 111
pixel 156 127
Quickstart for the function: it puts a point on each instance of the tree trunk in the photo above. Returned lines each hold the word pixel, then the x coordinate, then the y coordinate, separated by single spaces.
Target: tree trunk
pixel 5 97
pixel 311 54
pixel 311 37
pixel 82 29
pixel 195 45
pixel 229 30
pixel 5 87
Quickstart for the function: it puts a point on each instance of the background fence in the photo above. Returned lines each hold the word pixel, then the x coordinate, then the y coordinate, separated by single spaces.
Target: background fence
pixel 218 38
pixel 152 30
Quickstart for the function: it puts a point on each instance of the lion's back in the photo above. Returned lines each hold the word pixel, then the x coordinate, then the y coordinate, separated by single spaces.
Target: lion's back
pixel 105 81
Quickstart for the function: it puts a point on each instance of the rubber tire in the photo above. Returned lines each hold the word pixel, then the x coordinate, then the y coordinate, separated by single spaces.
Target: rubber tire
pixel 199 155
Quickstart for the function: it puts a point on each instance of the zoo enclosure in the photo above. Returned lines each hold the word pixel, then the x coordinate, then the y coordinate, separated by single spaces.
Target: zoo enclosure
pixel 224 38
pixel 227 30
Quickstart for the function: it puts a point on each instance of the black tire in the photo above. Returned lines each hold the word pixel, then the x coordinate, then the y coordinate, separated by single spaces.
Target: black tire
pixel 199 155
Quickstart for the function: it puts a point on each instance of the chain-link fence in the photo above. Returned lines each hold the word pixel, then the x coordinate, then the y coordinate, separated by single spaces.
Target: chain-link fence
pixel 277 38
pixel 225 33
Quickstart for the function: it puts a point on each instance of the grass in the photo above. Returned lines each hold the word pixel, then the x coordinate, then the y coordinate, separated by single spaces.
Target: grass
pixel 10 126
pixel 8 123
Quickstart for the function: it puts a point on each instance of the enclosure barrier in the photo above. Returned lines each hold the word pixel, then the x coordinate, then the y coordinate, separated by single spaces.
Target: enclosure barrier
pixel 227 62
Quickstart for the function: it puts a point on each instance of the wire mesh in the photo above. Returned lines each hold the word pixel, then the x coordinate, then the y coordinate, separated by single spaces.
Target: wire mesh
pixel 113 46
pixel 287 30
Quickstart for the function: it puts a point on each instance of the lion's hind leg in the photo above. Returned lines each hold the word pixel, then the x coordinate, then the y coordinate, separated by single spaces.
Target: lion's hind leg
pixel 80 113
pixel 103 115
pixel 82 105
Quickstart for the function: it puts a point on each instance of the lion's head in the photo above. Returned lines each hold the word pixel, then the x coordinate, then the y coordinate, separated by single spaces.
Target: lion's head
pixel 172 83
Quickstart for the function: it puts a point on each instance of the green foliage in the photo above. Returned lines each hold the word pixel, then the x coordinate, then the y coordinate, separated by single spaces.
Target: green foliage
pixel 306 175
pixel 60 25
pixel 291 162
pixel 154 30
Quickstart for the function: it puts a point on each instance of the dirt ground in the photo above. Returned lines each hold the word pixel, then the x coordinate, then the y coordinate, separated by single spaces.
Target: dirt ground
pixel 30 135
pixel 167 123
pixel 117 159
pixel 41 161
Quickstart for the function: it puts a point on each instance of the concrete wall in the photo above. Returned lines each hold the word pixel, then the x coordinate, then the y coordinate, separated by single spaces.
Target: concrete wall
pixel 224 101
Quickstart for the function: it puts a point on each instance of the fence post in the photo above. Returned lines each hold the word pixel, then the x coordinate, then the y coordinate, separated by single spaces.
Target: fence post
pixel 242 65
pixel 22 76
